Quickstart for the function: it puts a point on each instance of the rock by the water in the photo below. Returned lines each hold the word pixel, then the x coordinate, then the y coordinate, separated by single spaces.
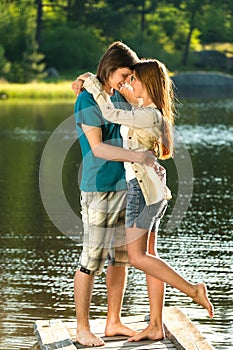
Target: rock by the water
pixel 203 84
pixel 52 72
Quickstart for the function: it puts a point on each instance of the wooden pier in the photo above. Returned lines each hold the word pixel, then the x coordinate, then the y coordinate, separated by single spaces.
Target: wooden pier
pixel 180 332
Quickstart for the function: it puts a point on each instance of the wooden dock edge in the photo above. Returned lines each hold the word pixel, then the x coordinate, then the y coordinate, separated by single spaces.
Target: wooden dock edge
pixel 182 332
pixel 52 334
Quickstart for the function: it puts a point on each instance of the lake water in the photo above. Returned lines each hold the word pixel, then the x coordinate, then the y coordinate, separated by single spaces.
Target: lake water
pixel 38 261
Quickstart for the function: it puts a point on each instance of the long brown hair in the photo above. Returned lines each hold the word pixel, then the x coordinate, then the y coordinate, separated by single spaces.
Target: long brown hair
pixel 154 76
pixel 118 55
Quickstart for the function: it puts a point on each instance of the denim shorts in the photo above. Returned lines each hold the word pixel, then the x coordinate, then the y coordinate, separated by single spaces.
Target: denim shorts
pixel 138 213
pixel 103 217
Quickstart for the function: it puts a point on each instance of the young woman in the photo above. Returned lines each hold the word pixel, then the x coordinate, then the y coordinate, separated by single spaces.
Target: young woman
pixel 148 127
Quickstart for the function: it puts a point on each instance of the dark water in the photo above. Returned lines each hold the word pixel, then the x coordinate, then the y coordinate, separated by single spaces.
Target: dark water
pixel 38 261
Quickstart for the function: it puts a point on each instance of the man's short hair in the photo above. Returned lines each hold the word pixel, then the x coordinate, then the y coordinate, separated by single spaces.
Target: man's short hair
pixel 118 55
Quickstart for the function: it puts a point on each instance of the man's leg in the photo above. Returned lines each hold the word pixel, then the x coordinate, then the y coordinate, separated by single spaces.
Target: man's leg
pixel 83 286
pixel 92 259
pixel 116 282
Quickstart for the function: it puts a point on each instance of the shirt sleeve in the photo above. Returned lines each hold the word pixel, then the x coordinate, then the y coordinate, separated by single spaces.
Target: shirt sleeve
pixel 87 111
pixel 147 117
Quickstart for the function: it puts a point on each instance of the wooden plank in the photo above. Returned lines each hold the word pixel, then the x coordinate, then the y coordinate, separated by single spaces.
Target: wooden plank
pixel 142 345
pixel 53 335
pixel 182 332
pixel 111 343
pixel 35 346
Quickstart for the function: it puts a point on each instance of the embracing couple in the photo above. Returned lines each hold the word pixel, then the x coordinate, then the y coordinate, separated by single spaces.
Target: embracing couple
pixel 124 117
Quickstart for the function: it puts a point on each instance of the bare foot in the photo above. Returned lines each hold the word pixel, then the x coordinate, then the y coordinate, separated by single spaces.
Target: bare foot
pixel 152 332
pixel 86 337
pixel 202 299
pixel 118 328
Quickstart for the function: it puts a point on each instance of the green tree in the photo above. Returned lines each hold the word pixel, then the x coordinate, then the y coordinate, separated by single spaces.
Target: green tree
pixel 49 10
pixel 15 25
pixel 33 63
pixel 67 47
pixel 216 23
pixel 187 11
pixel 4 64
pixel 39 17
pixel 211 18
pixel 30 68
pixel 72 33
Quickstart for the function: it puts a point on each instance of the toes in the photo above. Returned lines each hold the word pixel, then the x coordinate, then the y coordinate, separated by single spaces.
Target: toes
pixel 130 339
pixel 135 338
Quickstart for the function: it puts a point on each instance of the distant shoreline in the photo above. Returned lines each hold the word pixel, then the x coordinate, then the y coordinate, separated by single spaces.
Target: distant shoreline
pixel 203 84
pixel 36 90
pixel 187 85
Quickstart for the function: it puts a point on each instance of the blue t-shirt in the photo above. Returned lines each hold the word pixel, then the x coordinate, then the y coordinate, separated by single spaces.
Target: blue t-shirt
pixel 99 175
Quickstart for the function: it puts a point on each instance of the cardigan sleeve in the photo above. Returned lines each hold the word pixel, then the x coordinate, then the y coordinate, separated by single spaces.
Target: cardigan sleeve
pixel 144 117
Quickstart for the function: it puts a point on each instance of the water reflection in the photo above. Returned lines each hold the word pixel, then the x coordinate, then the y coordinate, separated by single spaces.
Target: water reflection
pixel 38 261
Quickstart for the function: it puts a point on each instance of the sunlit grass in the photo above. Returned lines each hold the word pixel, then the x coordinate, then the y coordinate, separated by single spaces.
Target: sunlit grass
pixel 36 90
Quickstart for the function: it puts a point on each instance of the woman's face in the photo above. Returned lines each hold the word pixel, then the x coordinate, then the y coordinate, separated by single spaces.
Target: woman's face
pixel 119 77
pixel 137 86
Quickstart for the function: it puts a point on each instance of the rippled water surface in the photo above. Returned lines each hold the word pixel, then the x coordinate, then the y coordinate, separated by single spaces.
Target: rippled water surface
pixel 38 261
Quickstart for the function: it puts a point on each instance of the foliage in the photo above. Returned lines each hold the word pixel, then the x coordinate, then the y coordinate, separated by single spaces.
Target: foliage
pixel 72 34
pixel 4 65
pixel 66 46
pixel 30 68
pixel 16 27
pixel 221 29
pixel 226 48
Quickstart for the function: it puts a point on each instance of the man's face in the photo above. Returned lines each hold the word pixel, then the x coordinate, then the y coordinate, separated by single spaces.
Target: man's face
pixel 119 77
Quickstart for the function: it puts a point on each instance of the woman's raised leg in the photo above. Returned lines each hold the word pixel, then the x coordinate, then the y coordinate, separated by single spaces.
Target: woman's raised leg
pixel 157 268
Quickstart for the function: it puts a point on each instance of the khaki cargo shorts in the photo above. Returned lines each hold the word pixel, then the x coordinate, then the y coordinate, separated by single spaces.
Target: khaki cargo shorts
pixel 103 216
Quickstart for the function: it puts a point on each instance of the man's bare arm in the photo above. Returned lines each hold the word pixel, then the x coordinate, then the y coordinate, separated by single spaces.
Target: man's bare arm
pixel 114 153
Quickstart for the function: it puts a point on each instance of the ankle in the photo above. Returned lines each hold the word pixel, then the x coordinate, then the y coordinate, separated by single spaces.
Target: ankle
pixel 83 327
pixel 113 320
pixel 156 324
pixel 194 291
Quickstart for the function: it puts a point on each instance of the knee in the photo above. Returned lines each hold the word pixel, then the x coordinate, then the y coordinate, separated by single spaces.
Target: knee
pixel 134 259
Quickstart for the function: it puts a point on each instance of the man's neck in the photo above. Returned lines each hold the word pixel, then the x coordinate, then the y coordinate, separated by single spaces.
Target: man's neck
pixel 108 89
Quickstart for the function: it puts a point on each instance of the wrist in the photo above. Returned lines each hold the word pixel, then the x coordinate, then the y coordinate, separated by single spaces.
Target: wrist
pixel 138 157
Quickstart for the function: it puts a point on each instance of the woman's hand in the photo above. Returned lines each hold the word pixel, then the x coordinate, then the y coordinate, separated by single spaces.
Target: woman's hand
pixel 148 158
pixel 161 172
pixel 77 85
pixel 126 90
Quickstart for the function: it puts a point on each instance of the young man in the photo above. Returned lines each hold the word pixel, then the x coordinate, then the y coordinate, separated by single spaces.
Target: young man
pixel 103 193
